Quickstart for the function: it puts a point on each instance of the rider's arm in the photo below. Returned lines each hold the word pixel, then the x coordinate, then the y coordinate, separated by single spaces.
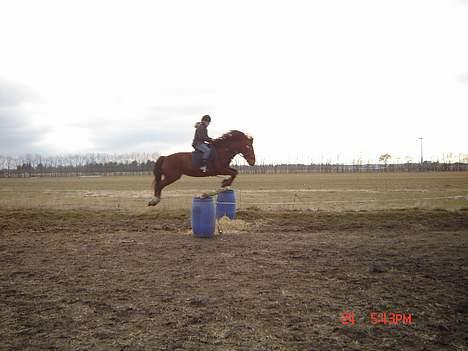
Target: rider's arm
pixel 203 133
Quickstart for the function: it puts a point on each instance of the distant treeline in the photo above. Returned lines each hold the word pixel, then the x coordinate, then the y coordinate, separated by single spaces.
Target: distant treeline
pixel 76 164
pixel 115 168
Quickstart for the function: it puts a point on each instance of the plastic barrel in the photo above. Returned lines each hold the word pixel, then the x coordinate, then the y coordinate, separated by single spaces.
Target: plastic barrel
pixel 226 204
pixel 203 217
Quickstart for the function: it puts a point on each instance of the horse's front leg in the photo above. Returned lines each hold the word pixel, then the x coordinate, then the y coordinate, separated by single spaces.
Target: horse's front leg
pixel 230 172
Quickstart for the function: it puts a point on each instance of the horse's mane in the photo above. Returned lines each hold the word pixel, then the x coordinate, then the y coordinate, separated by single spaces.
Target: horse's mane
pixel 231 136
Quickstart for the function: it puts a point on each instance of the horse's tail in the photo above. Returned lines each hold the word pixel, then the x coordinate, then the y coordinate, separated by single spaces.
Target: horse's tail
pixel 157 170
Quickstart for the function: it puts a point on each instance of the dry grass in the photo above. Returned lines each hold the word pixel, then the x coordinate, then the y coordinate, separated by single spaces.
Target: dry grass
pixel 331 192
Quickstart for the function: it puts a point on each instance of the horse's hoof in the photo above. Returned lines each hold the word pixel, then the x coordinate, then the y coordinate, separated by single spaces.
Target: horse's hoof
pixel 153 202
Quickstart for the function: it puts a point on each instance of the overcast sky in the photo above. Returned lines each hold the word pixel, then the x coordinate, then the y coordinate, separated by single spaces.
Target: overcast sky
pixel 310 80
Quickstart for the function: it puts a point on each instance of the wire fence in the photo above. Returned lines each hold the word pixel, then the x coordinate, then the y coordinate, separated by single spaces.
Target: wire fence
pixel 145 169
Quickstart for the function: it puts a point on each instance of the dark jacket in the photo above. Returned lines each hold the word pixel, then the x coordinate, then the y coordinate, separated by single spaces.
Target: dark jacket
pixel 201 135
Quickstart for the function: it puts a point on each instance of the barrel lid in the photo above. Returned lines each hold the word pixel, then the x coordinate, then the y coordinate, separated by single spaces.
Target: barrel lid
pixel 203 198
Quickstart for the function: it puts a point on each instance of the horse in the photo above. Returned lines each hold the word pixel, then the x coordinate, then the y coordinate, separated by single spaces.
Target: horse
pixel 169 169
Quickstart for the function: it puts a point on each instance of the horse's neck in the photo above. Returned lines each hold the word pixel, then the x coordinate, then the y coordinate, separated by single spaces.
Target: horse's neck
pixel 226 153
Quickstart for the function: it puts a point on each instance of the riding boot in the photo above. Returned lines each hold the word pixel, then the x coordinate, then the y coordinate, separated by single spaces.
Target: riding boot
pixel 204 166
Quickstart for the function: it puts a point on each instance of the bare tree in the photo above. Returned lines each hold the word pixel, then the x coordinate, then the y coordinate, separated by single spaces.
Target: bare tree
pixel 384 158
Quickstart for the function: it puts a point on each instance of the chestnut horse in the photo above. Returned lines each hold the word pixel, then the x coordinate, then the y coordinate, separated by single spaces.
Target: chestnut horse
pixel 170 168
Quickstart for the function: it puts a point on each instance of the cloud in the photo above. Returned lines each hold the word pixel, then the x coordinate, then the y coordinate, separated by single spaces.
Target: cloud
pixel 160 128
pixel 155 128
pixel 17 135
pixel 184 92
pixel 463 78
pixel 153 139
pixel 195 111
pixel 12 95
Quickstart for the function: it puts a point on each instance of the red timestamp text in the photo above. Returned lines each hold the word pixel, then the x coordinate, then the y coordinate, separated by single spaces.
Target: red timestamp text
pixel 386 318
pixel 391 318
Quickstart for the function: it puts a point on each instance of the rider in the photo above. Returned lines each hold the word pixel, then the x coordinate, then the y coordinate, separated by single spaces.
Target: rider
pixel 200 139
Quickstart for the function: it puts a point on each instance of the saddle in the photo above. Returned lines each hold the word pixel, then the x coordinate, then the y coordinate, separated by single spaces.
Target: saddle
pixel 197 158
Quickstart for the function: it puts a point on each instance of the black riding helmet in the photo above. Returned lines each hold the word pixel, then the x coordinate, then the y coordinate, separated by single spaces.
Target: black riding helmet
pixel 206 118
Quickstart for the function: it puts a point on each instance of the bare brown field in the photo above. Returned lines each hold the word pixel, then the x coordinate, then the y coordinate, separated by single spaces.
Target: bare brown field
pixel 77 275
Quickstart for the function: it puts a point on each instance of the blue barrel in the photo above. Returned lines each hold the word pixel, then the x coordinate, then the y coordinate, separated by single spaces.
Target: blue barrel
pixel 226 204
pixel 203 217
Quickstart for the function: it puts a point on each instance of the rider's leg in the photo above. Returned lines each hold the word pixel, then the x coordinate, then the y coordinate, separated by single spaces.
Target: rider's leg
pixel 206 154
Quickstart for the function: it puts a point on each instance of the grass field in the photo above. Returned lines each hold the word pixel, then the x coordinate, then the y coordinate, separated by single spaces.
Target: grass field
pixel 334 192
pixel 86 265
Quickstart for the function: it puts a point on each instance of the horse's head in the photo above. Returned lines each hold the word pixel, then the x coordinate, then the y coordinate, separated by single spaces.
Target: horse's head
pixel 247 150
pixel 238 143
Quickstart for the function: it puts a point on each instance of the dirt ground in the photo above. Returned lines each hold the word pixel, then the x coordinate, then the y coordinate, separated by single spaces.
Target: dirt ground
pixel 112 280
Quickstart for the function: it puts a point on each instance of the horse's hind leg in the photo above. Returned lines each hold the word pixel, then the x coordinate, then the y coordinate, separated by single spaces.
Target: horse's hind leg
pixel 168 179
pixel 157 194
